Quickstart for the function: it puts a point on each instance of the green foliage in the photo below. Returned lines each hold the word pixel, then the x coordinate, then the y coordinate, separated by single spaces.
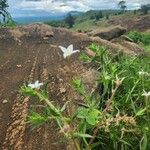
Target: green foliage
pixel 57 23
pixel 146 38
pixel 91 116
pixel 36 119
pixel 3 4
pixel 122 5
pixel 114 116
pixel 4 14
pixel 70 20
pixel 98 15
pixel 135 36
pixel 145 8
pixel 139 37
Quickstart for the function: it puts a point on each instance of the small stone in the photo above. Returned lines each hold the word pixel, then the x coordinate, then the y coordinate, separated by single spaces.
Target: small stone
pixel 19 66
pixel 45 38
pixel 62 90
pixel 60 80
pixel 5 101
pixel 49 34
pixel 29 61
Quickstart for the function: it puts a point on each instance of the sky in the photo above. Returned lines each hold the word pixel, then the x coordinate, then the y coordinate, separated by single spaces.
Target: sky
pixel 19 8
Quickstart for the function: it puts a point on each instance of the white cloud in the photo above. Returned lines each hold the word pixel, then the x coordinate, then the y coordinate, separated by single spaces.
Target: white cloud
pixel 61 6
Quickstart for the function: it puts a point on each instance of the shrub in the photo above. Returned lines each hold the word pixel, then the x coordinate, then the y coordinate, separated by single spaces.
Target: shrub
pixel 146 38
pixel 135 36
pixel 139 37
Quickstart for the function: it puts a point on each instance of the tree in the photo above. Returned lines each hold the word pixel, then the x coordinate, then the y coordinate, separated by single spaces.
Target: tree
pixel 145 9
pixel 98 15
pixel 122 5
pixel 3 4
pixel 135 11
pixel 107 16
pixel 3 12
pixel 69 20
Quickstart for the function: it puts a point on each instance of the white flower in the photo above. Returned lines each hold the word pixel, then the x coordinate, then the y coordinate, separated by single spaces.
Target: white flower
pixel 147 94
pixel 68 51
pixel 141 73
pixel 35 85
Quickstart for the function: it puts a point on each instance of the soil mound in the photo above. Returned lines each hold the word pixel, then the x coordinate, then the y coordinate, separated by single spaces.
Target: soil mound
pixel 108 34
pixel 130 22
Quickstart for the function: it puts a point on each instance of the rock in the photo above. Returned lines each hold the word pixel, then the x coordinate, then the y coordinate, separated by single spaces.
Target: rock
pixel 49 34
pixel 28 61
pixel 108 34
pixel 5 101
pixel 60 80
pixel 19 66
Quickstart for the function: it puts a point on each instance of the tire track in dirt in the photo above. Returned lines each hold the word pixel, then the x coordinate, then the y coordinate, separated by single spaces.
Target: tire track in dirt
pixel 11 78
pixel 50 132
pixel 46 137
pixel 15 131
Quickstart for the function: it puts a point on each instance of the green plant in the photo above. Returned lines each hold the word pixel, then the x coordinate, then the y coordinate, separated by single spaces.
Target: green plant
pixel 70 20
pixel 4 13
pixel 139 37
pixel 122 5
pixel 135 36
pixel 145 9
pixel 114 116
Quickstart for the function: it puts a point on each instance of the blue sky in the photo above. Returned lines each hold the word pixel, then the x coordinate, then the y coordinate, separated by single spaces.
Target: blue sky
pixel 20 8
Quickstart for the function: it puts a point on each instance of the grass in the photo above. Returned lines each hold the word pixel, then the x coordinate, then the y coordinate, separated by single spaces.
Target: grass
pixel 88 25
pixel 141 38
pixel 85 23
pixel 116 115
pixel 10 24
pixel 145 47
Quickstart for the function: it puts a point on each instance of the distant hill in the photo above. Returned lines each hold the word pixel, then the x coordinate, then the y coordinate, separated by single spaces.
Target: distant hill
pixel 33 19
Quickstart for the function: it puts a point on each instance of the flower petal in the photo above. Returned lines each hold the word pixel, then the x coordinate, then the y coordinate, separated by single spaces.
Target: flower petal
pixel 70 48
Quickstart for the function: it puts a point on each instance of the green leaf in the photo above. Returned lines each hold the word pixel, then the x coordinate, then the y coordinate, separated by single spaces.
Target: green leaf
pixel 36 119
pixel 85 58
pixel 64 106
pixel 82 112
pixel 145 142
pixel 93 117
pixel 78 85
pixel 27 91
pixel 140 112
pixel 125 142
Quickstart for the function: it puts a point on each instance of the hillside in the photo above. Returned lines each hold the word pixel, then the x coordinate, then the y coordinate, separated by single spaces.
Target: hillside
pixel 85 22
pixel 32 52
pixel 129 20
pixel 29 53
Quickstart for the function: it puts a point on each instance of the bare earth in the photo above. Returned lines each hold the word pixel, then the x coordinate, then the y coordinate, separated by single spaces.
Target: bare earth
pixel 31 53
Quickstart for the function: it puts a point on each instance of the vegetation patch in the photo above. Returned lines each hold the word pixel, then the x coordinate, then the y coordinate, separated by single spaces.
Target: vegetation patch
pixel 114 116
